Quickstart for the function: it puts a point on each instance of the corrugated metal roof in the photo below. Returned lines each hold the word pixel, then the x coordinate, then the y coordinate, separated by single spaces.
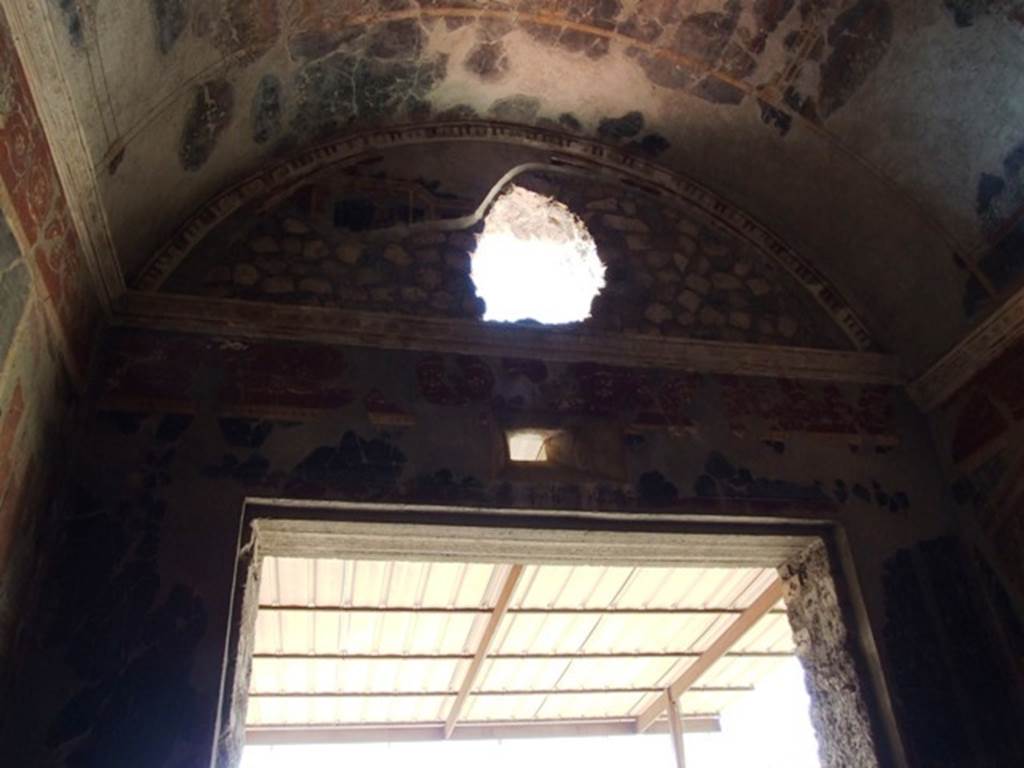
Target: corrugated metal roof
pixel 351 642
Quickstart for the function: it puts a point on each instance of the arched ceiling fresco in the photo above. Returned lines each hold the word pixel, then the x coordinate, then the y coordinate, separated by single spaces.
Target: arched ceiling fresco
pixel 392 230
pixel 882 140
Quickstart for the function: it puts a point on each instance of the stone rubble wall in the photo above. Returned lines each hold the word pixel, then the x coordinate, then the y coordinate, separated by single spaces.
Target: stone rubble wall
pixel 669 271
pixel 824 647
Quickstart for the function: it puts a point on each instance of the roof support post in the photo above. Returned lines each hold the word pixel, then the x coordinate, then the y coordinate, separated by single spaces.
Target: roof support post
pixel 508 587
pixel 764 603
pixel 675 726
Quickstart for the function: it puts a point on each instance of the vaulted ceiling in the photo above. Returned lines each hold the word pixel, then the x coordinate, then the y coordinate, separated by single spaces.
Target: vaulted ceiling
pixel 882 140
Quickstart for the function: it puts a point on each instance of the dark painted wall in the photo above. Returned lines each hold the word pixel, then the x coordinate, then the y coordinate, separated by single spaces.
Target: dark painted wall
pixel 47 316
pixel 980 437
pixel 123 666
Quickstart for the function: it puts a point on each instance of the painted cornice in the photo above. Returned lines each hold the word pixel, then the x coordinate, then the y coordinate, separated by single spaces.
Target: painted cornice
pixel 972 354
pixel 249 319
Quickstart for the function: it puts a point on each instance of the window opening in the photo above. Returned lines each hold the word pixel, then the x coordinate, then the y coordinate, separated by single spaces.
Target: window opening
pixel 529 445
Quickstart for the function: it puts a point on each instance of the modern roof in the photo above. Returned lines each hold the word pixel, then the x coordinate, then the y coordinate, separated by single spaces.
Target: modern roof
pixel 362 649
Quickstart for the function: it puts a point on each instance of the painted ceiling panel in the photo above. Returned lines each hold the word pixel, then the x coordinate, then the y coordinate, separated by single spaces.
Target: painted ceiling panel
pixel 880 139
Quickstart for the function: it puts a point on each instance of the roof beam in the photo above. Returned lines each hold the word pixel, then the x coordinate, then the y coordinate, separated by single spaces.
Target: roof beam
pixel 512 656
pixel 568 611
pixel 508 587
pixel 394 732
pixel 496 692
pixel 757 610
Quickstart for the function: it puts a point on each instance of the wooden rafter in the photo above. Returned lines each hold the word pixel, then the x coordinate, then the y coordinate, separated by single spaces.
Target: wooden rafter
pixel 757 610
pixel 508 588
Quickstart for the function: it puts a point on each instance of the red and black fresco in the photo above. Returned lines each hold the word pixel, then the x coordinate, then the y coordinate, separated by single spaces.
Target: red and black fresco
pixel 30 178
pixel 795 406
pixel 444 380
pixel 988 408
pixel 386 444
pixel 242 376
pixel 982 433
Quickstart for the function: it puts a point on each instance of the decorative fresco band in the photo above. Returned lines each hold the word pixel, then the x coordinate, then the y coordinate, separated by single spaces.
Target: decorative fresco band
pixel 375 329
pixel 970 355
pixel 655 178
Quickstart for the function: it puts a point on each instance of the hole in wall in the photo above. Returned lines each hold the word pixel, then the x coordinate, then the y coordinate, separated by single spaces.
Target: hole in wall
pixel 535 260
pixel 529 445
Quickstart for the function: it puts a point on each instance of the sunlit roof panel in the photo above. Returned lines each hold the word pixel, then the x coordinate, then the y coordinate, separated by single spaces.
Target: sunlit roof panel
pixel 334 639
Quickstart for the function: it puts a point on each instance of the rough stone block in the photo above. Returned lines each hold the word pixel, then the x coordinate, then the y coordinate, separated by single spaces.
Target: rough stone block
pixel 740 320
pixel 316 285
pixel 314 250
pixel 787 327
pixel 604 204
pixel 348 253
pixel 711 316
pixel 295 227
pixel 624 223
pixel 397 255
pixel 699 284
pixel 689 301
pixel 658 313
pixel 264 244
pixel 723 281
pixel 246 275
pixel 428 278
pixel 657 259
pixel 278 284
pixel 759 286
pixel 638 242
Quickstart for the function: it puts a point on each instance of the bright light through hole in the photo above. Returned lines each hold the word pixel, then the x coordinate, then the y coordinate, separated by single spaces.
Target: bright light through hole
pixel 535 261
pixel 529 444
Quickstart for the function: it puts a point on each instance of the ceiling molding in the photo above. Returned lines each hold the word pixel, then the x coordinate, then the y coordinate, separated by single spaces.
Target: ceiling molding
pixel 37 49
pixel 972 354
pixel 229 317
pixel 567 150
